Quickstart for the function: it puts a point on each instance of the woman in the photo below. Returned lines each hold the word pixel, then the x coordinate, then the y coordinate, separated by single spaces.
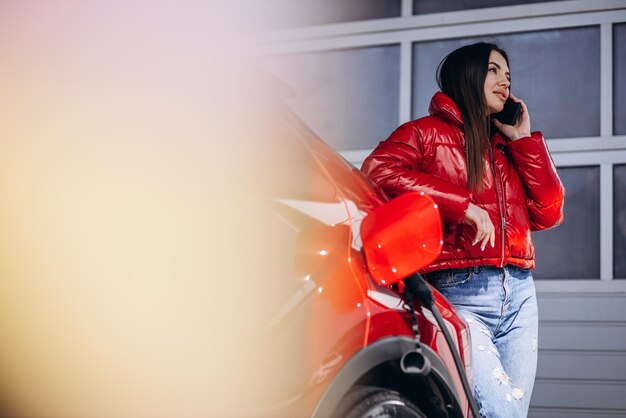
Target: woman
pixel 493 184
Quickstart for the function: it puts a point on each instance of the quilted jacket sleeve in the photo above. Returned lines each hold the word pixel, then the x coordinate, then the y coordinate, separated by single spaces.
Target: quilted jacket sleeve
pixel 395 166
pixel 544 190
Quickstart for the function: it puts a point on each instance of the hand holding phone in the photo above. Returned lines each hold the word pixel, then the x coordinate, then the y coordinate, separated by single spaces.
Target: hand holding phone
pixel 514 120
pixel 511 112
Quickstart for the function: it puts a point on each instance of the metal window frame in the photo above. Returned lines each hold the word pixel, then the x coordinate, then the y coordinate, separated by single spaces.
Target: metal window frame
pixel 604 151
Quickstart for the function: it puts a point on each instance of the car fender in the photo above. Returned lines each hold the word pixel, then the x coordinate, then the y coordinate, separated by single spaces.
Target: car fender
pixel 360 363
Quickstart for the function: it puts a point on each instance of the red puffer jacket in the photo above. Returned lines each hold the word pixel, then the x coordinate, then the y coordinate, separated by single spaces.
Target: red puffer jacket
pixel 521 188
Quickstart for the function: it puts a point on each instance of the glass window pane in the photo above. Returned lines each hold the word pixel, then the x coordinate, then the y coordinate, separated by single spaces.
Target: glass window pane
pixel 544 67
pixel 619 79
pixel 572 250
pixel 439 6
pixel 282 14
pixel 619 221
pixel 350 98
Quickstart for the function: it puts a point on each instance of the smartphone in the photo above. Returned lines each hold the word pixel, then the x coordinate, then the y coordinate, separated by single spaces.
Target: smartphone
pixel 510 113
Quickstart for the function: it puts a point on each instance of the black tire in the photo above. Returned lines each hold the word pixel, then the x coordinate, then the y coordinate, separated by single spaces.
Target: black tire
pixel 375 402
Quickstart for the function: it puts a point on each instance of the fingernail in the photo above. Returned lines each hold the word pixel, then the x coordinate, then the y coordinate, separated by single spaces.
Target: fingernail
pixel 493 244
pixel 482 248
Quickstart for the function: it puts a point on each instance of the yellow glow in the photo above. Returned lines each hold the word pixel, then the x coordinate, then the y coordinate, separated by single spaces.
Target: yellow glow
pixel 121 230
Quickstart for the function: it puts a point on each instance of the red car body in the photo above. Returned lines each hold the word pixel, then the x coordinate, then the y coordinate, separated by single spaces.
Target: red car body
pixel 357 330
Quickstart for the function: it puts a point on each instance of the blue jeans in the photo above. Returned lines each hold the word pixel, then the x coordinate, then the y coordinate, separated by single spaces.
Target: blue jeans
pixel 500 307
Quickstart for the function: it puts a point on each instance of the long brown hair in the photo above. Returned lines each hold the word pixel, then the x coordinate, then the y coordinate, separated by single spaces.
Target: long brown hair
pixel 461 75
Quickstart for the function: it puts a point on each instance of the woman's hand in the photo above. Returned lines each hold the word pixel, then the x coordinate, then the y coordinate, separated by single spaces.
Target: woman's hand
pixel 521 129
pixel 479 219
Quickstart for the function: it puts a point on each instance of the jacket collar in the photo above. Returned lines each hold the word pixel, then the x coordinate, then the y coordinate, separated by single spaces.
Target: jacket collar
pixel 443 106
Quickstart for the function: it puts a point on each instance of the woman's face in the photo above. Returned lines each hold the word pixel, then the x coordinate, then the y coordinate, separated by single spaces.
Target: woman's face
pixel 497 83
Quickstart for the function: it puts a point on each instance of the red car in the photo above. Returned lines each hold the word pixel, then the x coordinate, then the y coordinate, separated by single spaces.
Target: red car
pixel 338 331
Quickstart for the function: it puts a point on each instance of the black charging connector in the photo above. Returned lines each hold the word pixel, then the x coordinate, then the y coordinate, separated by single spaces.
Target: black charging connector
pixel 416 286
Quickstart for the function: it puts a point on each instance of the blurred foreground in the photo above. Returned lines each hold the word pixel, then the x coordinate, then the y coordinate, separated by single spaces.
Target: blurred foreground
pixel 132 257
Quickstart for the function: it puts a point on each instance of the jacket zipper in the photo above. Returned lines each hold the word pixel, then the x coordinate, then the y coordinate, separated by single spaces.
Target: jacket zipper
pixel 502 212
pixel 500 197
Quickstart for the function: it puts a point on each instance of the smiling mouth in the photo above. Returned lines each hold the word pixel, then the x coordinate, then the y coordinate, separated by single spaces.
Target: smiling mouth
pixel 501 95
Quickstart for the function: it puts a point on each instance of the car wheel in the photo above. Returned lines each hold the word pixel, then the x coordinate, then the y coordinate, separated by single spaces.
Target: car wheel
pixel 375 402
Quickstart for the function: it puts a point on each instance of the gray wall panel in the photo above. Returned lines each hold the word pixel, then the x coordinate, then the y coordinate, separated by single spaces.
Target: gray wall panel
pixel 581 370
pixel 582 307
pixel 349 97
pixel 439 6
pixel 577 240
pixel 619 79
pixel 587 336
pixel 619 215
pixel 581 365
pixel 579 394
pixel 574 413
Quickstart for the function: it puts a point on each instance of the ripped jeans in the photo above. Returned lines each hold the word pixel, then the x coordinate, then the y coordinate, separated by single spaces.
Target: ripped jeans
pixel 500 307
